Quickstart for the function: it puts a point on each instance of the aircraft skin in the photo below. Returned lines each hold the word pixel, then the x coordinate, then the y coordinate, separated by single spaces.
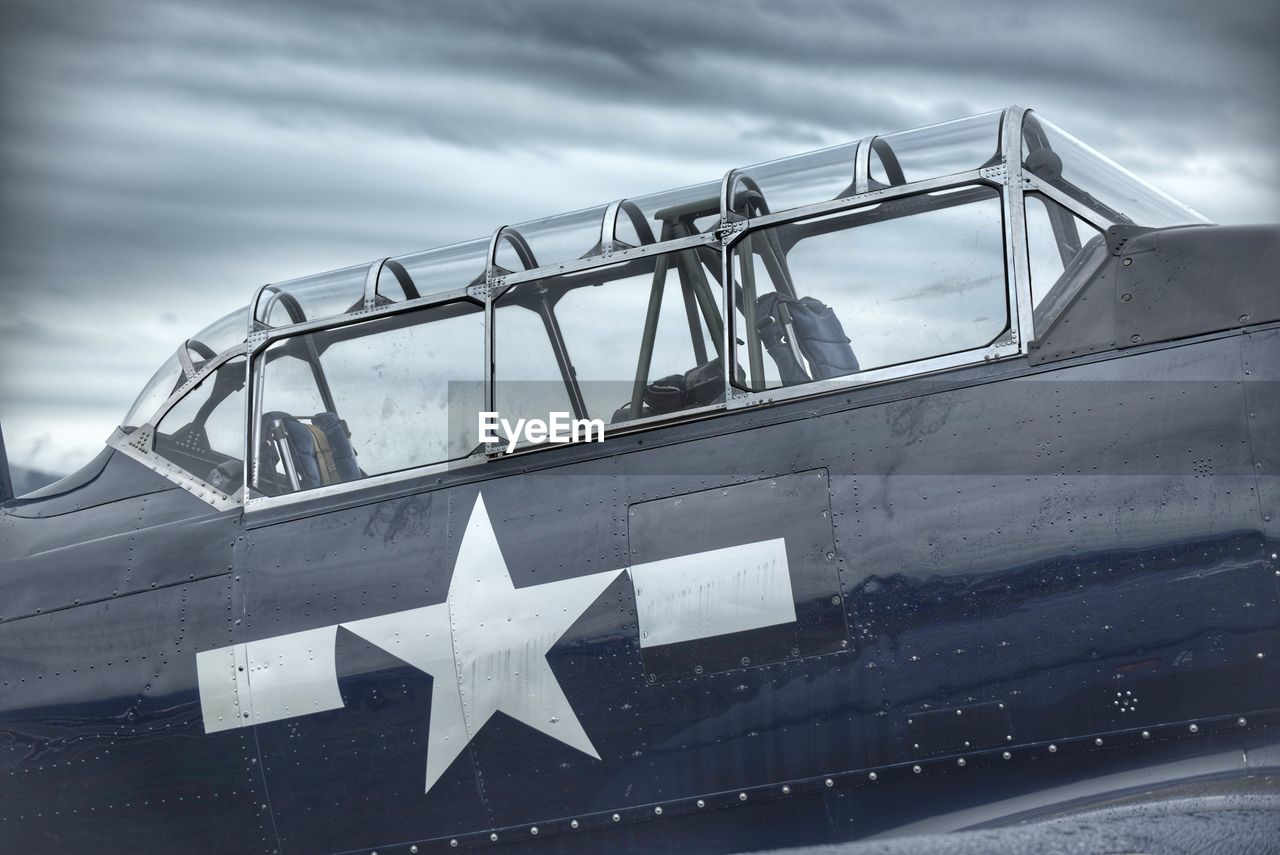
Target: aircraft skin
pixel 1017 586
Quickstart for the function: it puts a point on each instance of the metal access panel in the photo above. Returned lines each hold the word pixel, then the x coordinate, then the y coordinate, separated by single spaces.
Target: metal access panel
pixel 736 577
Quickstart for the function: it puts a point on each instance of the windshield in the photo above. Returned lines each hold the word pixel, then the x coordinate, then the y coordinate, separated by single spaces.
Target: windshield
pixel 155 393
pixel 227 331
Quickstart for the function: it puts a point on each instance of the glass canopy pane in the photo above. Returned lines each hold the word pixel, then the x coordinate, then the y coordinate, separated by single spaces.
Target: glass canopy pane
pixel 435 271
pixel 1115 193
pixel 226 332
pixel 791 182
pixel 552 240
pixel 156 392
pixel 324 295
pixel 936 150
pixel 669 214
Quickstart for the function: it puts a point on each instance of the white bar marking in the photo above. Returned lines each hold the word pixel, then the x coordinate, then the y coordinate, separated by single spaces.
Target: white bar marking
pixel 295 674
pixel 713 593
pixel 219 700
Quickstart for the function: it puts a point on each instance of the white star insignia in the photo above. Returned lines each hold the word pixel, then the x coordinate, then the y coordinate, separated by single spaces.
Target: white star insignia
pixel 498 635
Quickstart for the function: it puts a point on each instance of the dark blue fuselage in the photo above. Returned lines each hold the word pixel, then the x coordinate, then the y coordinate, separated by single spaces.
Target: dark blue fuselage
pixel 1071 563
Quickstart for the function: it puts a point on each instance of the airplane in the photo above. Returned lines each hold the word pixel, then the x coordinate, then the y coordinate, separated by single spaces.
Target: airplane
pixel 938 488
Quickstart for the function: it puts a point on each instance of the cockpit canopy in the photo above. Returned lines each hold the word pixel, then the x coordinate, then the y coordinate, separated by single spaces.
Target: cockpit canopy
pixel 906 237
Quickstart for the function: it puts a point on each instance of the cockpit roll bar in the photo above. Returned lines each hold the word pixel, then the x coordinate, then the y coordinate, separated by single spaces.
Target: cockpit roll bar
pixel 521 246
pixel 609 225
pixel 278 294
pixel 371 295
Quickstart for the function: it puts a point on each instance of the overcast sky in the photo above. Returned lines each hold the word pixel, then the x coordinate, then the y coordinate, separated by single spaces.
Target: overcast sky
pixel 161 159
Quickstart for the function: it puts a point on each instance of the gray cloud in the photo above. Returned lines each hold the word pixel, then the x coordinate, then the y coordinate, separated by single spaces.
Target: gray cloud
pixel 158 160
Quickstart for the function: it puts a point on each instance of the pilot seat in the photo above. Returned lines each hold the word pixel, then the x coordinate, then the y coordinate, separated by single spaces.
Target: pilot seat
pixel 315 452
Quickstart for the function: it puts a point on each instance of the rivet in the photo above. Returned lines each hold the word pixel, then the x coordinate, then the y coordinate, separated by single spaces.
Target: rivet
pixel 830 783
pixel 658 810
pixel 1261 655
pixel 1098 741
pixel 1146 734
pixel 454 843
pixel 701 803
pixel 413 850
pixel 617 818
pixel 960 762
pixel 1128 261
pixel 494 836
pixel 533 830
pixel 1242 721
pixel 1195 728
pixel 1053 749
pixel 872 776
pixel 573 824
pixel 742 797
pixel 1008 756
pixel 915 769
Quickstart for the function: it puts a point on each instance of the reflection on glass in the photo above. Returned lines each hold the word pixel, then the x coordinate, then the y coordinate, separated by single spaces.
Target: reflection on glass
pixel 893 283
pixel 371 398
